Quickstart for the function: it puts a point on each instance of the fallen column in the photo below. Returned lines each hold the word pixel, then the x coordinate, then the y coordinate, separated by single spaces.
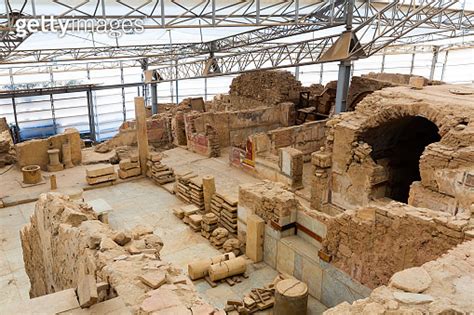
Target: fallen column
pixel 199 269
pixel 227 268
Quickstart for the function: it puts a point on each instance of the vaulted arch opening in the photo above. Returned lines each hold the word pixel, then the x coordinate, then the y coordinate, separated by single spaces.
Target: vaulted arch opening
pixel 397 145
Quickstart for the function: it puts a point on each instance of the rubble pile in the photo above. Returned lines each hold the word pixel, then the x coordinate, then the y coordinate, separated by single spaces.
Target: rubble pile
pixel 208 224
pixel 232 245
pixel 189 189
pixel 158 172
pixel 65 246
pixel 225 208
pixel 257 300
pixel 218 237
pixel 129 167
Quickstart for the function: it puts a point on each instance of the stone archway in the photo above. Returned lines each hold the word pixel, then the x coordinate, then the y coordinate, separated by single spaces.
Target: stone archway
pixel 397 145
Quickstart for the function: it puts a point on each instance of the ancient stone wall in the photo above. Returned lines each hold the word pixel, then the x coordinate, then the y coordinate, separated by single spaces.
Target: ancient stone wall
pixel 35 152
pixel 361 87
pixel 395 78
pixel 308 137
pixel 64 243
pixel 366 151
pixel 370 243
pixel 270 87
pixel 7 149
pixel 233 128
pixel 158 129
pixel 441 286
pixel 226 102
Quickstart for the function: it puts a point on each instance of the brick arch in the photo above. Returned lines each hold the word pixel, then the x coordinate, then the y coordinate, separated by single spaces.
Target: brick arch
pixel 398 139
pixel 441 120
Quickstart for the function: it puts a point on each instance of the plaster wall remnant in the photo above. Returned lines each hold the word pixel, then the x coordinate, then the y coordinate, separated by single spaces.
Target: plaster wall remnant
pixel 64 243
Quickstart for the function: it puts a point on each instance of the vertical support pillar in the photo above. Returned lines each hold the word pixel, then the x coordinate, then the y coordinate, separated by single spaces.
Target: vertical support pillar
pixel 16 118
pixel 443 71
pixel 343 81
pixel 382 67
pixel 51 100
pixel 142 137
pixel 321 72
pixel 176 69
pixel 209 188
pixel 205 89
pixel 344 76
pixel 124 107
pixel 297 73
pixel 412 65
pixel 154 98
pixel 434 61
pixel 90 111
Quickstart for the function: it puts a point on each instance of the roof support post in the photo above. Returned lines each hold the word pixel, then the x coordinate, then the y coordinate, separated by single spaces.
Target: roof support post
pixel 342 89
pixel 434 61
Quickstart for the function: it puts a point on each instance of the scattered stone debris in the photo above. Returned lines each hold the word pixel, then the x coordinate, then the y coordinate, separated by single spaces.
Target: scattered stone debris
pixel 157 171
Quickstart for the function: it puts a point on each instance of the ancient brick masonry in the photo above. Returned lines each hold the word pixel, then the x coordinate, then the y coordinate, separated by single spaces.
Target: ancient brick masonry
pixel 422 290
pixel 271 87
pixel 271 201
pixel 65 244
pixel 360 168
pixel 373 243
pixel 158 131
pixel 369 243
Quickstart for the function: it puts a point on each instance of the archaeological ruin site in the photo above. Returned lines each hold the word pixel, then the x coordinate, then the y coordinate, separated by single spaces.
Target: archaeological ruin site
pixel 237 157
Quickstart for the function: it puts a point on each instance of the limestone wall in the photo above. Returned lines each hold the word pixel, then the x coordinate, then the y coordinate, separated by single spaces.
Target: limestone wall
pixel 359 164
pixel 7 149
pixel 270 87
pixel 64 242
pixel 34 152
pixel 308 138
pixel 233 128
pixel 158 129
pixel 286 247
pixel 226 102
pixel 442 286
pixel 370 243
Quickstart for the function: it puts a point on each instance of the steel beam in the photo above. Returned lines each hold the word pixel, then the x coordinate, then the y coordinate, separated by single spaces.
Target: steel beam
pixel 178 14
pixel 343 81
pixel 154 98
pixel 91 114
pixel 447 23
